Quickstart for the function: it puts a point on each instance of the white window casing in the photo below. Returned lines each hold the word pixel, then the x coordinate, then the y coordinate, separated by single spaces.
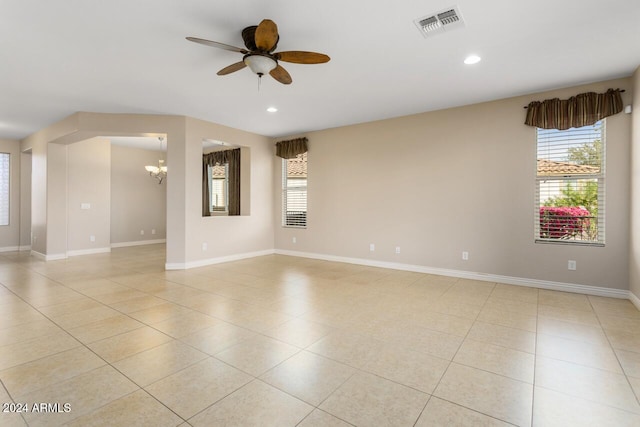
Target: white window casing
pixel 570 185
pixel 294 192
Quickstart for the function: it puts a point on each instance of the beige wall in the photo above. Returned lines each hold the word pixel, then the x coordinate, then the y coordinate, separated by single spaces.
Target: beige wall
pixel 88 182
pixel 56 201
pixel 10 234
pixel 174 129
pixel 443 182
pixel 435 184
pixel 39 197
pixel 82 126
pixel 186 229
pixel 138 202
pixel 38 144
pixel 229 235
pixel 25 200
pixel 634 247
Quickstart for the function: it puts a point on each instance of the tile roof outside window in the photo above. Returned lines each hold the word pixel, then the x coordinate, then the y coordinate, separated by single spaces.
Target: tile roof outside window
pixel 297 168
pixel 218 171
pixel 551 168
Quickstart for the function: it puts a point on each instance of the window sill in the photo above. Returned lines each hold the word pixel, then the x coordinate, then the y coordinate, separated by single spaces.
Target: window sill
pixel 569 242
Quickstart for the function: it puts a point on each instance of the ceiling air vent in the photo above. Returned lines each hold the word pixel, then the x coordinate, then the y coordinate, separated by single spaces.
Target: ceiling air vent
pixel 439 22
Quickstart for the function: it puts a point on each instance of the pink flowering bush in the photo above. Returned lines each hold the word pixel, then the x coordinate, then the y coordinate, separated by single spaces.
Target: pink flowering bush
pixel 563 222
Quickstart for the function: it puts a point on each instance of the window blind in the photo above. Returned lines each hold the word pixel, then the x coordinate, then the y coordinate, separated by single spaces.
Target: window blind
pixel 294 191
pixel 570 186
pixel 219 187
pixel 5 162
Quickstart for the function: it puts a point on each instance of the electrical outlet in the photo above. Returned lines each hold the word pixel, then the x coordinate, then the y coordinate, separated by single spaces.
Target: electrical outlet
pixel 397 249
pixel 205 246
pixel 571 265
pixel 465 256
pixel 294 240
pixel 153 231
pixel 142 232
pixel 92 238
pixel 372 247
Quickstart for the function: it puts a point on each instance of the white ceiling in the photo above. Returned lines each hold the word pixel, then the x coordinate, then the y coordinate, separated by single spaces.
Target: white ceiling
pixel 124 56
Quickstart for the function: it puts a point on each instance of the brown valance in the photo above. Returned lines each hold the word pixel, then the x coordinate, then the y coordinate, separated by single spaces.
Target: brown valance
pixel 581 110
pixel 220 157
pixel 291 148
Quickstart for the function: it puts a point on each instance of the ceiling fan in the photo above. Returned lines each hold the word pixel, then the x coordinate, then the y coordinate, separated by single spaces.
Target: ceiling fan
pixel 261 41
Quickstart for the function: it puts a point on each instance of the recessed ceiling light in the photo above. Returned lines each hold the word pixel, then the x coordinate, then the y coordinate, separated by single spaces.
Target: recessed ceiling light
pixel 472 59
pixel 272 109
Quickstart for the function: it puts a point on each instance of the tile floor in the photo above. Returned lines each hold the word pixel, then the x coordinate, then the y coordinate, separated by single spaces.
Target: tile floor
pixel 283 341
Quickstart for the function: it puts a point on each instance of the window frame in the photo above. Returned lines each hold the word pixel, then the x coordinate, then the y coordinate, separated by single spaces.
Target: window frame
pixel 566 179
pixel 286 222
pixel 225 210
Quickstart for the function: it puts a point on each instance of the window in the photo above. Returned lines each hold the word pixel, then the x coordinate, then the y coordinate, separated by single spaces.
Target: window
pixel 570 185
pixel 222 181
pixel 294 191
pixel 5 160
pixel 219 188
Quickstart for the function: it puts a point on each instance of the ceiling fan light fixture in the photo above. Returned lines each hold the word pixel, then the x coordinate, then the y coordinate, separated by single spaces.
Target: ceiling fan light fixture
pixel 261 41
pixel 260 64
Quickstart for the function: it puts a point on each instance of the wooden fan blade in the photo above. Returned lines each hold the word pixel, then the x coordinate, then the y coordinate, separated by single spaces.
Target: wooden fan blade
pixel 302 57
pixel 267 35
pixel 232 68
pixel 217 44
pixel 281 75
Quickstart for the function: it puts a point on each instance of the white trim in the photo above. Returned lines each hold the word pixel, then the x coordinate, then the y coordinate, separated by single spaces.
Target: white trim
pixel 55 257
pixel 15 248
pixel 89 251
pixel 634 299
pixel 38 255
pixel 211 261
pixel 138 243
pixel 518 281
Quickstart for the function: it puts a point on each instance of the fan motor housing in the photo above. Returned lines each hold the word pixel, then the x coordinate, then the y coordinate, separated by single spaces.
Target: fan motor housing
pixel 249 37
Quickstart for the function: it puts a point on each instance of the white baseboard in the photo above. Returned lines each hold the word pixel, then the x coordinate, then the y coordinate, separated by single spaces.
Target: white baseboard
pixel 634 299
pixel 138 243
pixel 43 257
pixel 15 248
pixel 518 281
pixel 219 260
pixel 38 255
pixel 88 251
pixel 57 257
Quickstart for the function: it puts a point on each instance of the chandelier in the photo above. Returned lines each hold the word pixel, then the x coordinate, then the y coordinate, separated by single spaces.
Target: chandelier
pixel 158 172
